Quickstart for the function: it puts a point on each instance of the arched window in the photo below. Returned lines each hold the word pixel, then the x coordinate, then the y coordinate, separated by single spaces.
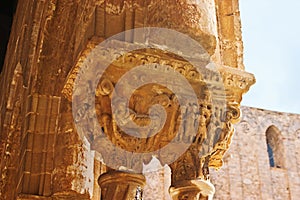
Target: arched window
pixel 275 147
pixel 271 155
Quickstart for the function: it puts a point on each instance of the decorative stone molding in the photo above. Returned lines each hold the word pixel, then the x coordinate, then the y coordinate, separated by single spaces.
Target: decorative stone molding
pixel 48 42
pixel 219 92
pixel 235 83
pixel 37 148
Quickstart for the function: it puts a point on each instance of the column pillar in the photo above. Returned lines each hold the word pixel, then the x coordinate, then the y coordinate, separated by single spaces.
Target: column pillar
pixel 121 185
pixel 193 190
pixel 124 130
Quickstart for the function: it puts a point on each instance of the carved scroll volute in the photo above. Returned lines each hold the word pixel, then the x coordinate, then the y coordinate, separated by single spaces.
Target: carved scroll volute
pixel 225 133
pixel 105 87
pixel 236 83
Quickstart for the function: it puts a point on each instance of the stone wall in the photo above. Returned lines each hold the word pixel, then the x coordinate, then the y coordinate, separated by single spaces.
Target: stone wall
pixel 42 155
pixel 247 173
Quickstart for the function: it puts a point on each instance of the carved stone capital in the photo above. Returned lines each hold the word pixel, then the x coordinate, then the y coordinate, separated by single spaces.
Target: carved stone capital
pixel 137 125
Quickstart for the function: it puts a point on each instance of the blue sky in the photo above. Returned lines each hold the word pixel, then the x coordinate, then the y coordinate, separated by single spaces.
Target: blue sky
pixel 271 34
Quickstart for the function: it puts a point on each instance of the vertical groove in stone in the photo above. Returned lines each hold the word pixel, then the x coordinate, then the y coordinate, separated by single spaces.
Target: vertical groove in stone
pixel 36 29
pixel 99 169
pixel 139 22
pixel 20 52
pixel 129 24
pixel 10 134
pixel 42 118
pixel 100 20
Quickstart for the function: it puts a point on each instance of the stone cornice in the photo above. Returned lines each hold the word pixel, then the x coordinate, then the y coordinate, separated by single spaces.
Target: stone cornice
pixel 236 82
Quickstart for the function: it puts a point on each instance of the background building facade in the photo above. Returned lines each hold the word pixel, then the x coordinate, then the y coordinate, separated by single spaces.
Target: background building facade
pixel 264 158
pixel 262 162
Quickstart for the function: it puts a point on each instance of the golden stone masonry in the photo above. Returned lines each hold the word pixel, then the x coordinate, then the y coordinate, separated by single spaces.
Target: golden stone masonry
pixel 64 135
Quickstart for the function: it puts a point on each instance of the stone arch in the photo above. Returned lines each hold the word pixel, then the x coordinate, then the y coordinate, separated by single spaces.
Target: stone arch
pixel 275 147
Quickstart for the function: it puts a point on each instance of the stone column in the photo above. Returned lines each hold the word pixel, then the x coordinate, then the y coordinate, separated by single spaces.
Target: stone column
pixel 121 185
pixel 37 149
pixel 218 91
pixel 73 175
pixel 193 190
pixel 47 61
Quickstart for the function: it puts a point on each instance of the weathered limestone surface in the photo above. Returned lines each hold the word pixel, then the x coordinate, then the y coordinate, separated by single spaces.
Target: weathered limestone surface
pixel 42 155
pixel 246 173
pixel 157 182
pixel 40 151
pixel 230 35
